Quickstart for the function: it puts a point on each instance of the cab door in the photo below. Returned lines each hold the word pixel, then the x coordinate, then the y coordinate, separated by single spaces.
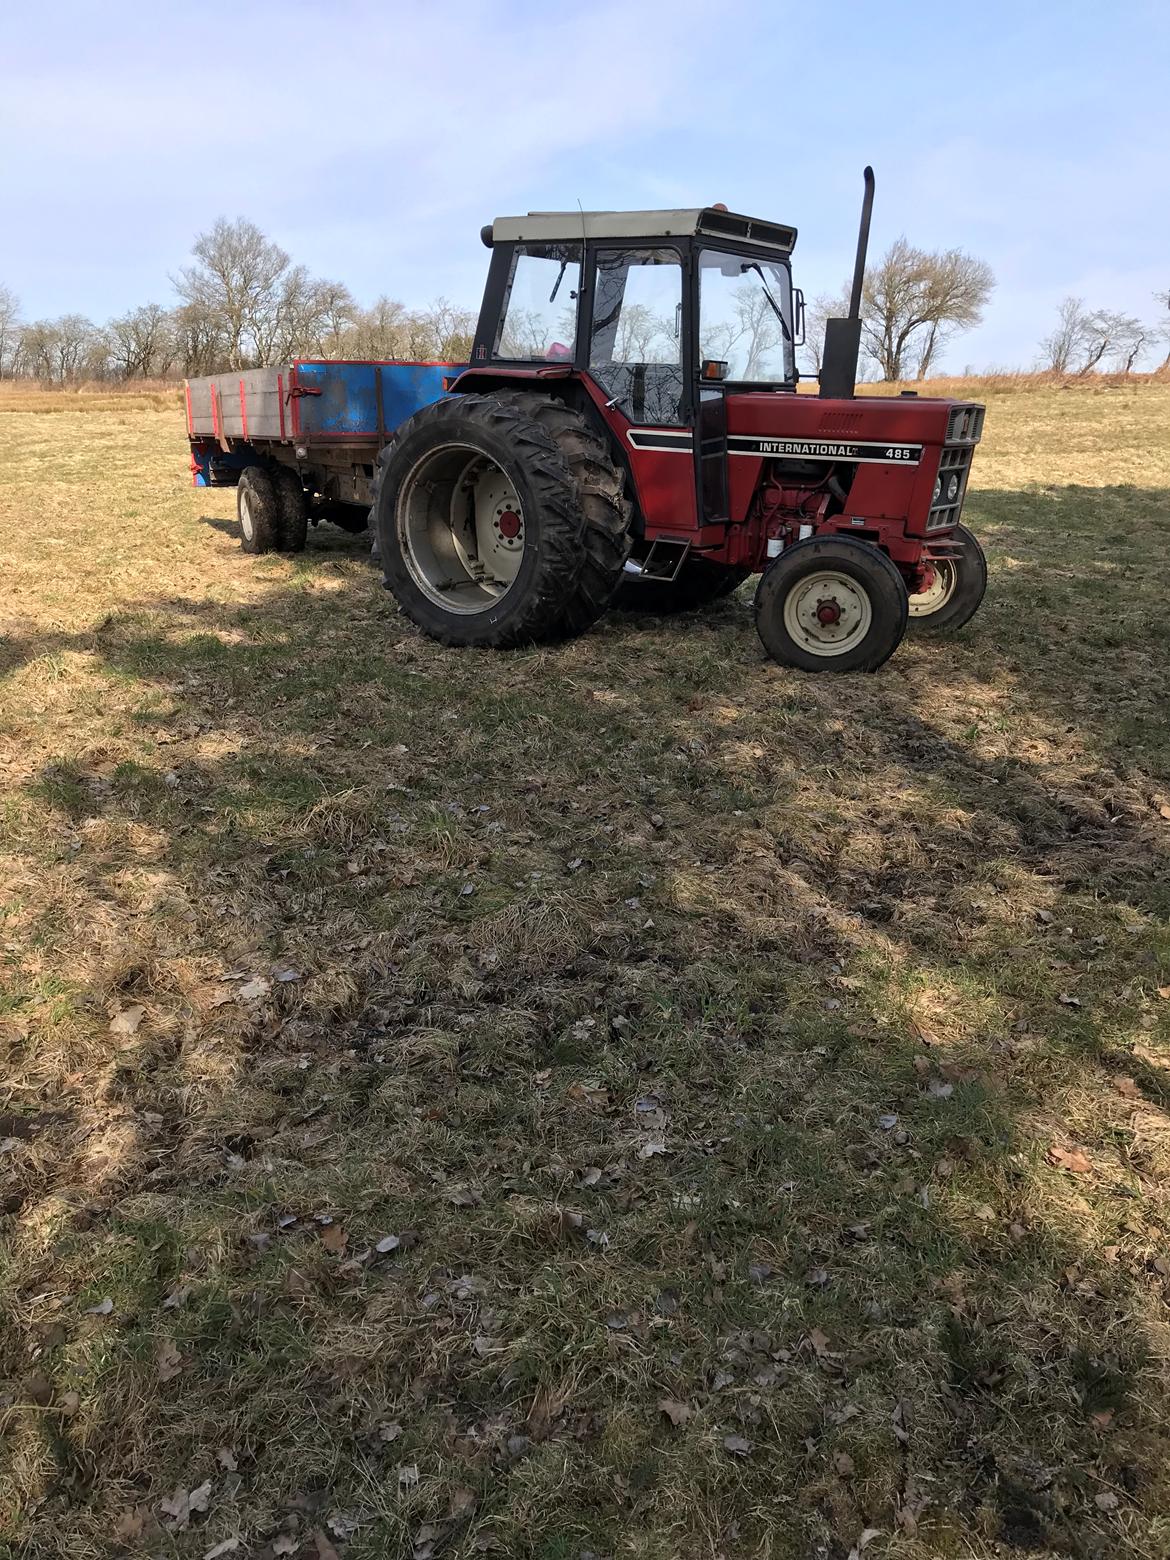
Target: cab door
pixel 711 450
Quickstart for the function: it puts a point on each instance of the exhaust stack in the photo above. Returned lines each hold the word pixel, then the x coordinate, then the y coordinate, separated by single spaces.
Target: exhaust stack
pixel 843 337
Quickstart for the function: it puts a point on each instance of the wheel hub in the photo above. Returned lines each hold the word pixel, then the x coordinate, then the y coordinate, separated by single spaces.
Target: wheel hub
pixel 462 528
pixel 944 576
pixel 828 613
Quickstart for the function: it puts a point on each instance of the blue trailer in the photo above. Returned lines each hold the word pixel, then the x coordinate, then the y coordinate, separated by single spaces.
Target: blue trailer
pixel 300 441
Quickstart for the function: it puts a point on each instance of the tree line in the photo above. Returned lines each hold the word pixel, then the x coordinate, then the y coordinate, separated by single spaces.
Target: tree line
pixel 243 302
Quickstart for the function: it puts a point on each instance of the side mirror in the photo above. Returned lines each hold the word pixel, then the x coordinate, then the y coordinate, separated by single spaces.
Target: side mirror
pixel 714 368
pixel 798 323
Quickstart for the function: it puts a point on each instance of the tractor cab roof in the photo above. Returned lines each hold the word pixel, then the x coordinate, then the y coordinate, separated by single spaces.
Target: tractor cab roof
pixel 714 222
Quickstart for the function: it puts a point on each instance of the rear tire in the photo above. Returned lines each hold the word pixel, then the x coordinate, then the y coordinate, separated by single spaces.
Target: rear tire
pixel 697 584
pixel 500 520
pixel 831 604
pixel 258 511
pixel 955 597
pixel 293 506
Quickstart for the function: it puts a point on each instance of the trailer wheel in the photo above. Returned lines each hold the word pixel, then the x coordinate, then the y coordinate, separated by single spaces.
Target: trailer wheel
pixel 831 604
pixel 697 584
pixel 958 589
pixel 500 520
pixel 293 505
pixel 258 511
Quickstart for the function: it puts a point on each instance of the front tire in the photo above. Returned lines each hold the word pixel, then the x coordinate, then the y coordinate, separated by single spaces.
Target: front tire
pixel 831 604
pixel 258 511
pixel 957 592
pixel 500 520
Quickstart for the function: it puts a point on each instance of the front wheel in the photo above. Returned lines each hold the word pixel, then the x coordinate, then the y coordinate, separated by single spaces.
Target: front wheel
pixel 955 595
pixel 831 604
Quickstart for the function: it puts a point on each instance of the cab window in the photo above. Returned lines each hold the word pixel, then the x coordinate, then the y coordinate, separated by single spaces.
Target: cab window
pixel 635 343
pixel 539 318
pixel 745 316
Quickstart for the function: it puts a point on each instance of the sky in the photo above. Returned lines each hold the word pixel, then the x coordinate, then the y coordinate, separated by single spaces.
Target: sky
pixel 373 140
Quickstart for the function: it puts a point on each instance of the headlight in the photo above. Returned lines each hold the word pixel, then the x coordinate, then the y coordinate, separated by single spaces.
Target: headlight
pixel 937 489
pixel 952 490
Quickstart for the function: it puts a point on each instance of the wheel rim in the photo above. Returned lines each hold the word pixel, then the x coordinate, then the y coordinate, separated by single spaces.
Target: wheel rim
pixel 828 613
pixel 935 598
pixel 461 529
pixel 247 523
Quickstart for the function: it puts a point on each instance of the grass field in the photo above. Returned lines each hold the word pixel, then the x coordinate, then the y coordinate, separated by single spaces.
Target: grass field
pixel 621 1099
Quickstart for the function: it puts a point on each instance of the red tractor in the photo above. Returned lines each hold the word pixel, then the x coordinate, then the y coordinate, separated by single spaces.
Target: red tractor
pixel 629 418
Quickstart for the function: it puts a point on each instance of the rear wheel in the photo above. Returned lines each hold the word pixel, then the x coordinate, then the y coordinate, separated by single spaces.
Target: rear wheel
pixel 957 591
pixel 258 511
pixel 500 520
pixel 697 584
pixel 293 507
pixel 831 604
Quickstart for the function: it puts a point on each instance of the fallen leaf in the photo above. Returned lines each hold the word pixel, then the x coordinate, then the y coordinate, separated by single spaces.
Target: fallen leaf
pixel 226 1459
pixel 167 1359
pixel 325 1550
pixel 70 1402
pixel 737 1446
pixel 102 1308
pixel 407 1475
pixel 256 987
pixel 1066 999
pixel 1103 1418
pixel 1105 1500
pixel 126 1021
pixel 286 975
pixel 820 1342
pixel 843 1464
pixel 1164 993
pixel 183 1502
pixel 1073 1159
pixel 1164 811
pixel 229 1546
pixel 334 1238
pixel 939 1090
pixel 285 1544
pixel 130 1524
pixel 588 1093
pixel 1128 1088
pixel 867 1538
pixel 463 1503
pixel 390 1431
pixel 677 1413
pixel 387 1243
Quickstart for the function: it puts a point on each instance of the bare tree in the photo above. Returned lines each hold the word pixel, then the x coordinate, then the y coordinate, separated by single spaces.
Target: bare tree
pixel 237 280
pixel 1082 342
pixel 1161 330
pixel 9 326
pixel 913 302
pixel 143 343
pixel 1061 350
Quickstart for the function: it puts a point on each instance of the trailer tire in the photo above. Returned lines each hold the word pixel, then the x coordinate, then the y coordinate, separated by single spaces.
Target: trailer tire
pixel 697 584
pixel 831 604
pixel 293 506
pixel 955 597
pixel 469 477
pixel 258 511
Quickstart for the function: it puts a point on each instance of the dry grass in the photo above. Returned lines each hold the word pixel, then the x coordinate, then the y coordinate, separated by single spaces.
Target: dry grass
pixel 800 1057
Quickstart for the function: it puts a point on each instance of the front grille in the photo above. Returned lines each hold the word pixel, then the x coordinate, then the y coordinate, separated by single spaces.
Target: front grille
pixel 955 460
pixel 965 425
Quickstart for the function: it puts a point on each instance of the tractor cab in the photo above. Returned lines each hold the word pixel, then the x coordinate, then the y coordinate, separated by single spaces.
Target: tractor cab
pixel 659 314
